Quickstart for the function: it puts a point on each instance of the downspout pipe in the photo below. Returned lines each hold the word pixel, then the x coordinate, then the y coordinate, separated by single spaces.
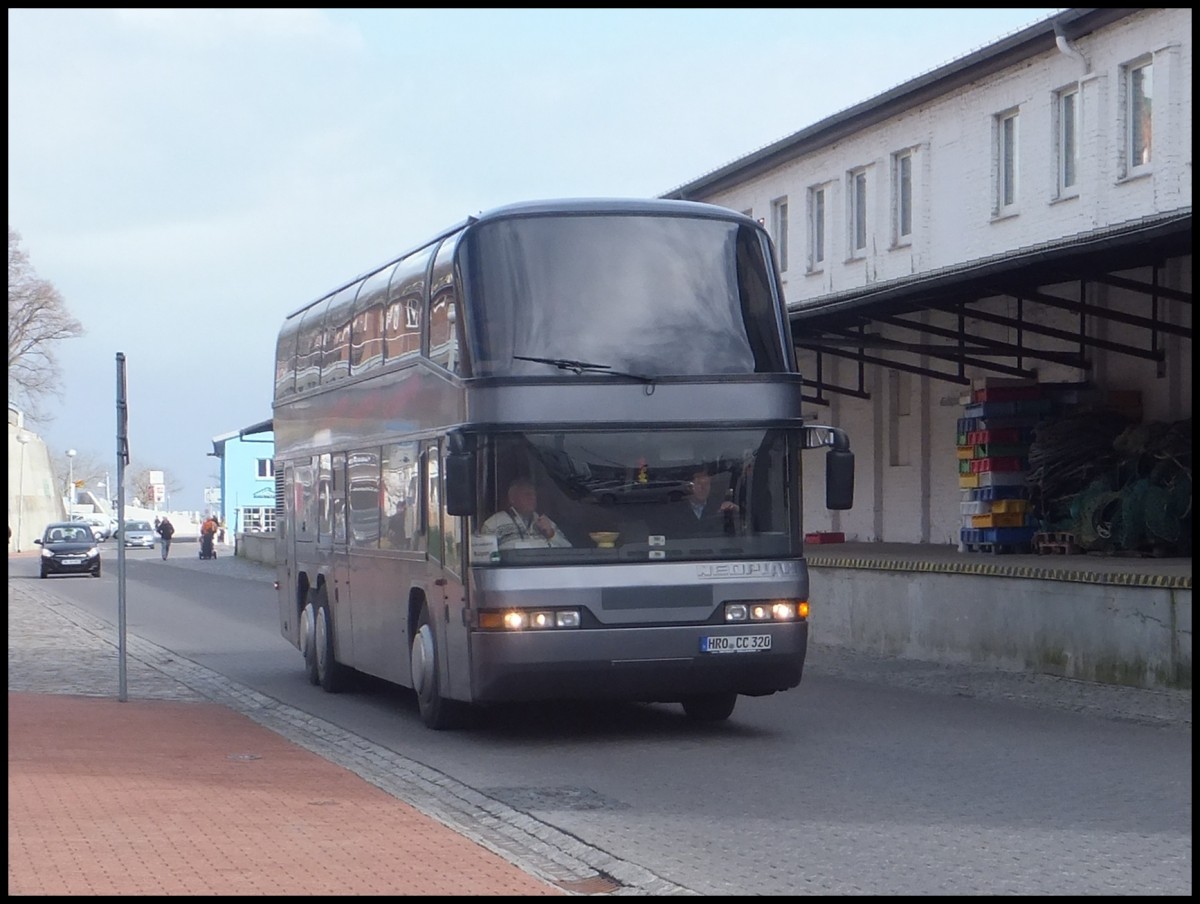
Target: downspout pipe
pixel 1067 48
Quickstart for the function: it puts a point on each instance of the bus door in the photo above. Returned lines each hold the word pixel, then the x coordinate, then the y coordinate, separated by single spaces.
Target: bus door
pixel 299 532
pixel 285 556
pixel 448 596
pixel 331 548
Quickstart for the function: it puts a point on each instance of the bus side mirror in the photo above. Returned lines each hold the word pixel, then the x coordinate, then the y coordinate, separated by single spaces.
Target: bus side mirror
pixel 460 483
pixel 839 479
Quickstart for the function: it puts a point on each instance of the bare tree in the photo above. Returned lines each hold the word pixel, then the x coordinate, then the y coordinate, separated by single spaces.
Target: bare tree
pixel 86 468
pixel 37 320
pixel 137 483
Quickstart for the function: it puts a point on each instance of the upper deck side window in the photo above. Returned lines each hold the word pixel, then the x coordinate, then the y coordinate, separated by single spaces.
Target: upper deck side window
pixel 445 324
pixel 366 328
pixel 335 358
pixel 285 358
pixel 309 347
pixel 406 303
pixel 648 294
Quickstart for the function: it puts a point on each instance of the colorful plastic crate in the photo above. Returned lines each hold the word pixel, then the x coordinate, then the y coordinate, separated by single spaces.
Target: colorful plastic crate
pixel 1011 435
pixel 992 519
pixel 999 479
pixel 989 493
pixel 1010 463
pixel 1006 394
pixel 993 450
pixel 997 536
pixel 1010 505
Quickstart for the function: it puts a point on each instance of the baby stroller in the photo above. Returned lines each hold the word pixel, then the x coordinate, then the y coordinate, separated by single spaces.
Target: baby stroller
pixel 206 546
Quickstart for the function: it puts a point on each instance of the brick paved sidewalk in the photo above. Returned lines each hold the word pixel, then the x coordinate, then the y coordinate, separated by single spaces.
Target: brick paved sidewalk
pixel 167 798
pixel 170 793
pixel 162 797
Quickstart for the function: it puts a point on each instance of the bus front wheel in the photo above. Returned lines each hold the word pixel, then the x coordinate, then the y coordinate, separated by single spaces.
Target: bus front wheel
pixel 709 707
pixel 436 711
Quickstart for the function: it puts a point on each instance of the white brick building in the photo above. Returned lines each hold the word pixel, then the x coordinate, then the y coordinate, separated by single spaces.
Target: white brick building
pixel 1023 212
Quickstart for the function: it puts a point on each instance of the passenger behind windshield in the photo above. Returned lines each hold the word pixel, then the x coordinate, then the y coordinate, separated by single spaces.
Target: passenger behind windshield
pixel 521 525
pixel 700 514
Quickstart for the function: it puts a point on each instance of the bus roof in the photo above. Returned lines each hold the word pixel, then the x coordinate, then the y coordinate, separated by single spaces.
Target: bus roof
pixel 627 206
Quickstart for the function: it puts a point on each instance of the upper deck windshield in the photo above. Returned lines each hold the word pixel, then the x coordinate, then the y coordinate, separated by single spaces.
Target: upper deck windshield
pixel 621 496
pixel 648 295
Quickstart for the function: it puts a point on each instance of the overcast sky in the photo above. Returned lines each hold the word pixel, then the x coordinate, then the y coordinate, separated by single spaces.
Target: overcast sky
pixel 187 178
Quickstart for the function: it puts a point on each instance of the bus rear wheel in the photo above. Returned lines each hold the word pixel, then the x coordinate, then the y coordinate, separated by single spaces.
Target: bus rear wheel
pixel 308 638
pixel 331 674
pixel 437 712
pixel 709 707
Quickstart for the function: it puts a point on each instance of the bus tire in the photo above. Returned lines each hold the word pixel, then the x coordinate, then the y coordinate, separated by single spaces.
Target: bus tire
pixel 331 674
pixel 709 707
pixel 437 712
pixel 308 638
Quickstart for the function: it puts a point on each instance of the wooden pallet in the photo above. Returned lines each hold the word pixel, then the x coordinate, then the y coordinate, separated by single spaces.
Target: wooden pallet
pixel 1060 543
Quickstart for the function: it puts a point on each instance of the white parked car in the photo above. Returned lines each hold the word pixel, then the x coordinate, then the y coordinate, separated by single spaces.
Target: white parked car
pixel 100 524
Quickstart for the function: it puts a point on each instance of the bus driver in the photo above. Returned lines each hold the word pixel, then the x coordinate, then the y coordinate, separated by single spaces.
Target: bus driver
pixel 520 525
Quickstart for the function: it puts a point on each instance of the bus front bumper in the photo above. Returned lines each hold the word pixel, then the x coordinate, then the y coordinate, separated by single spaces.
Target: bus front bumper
pixel 648 664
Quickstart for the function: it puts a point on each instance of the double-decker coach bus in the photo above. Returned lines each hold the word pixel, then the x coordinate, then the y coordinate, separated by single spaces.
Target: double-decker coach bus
pixel 555 452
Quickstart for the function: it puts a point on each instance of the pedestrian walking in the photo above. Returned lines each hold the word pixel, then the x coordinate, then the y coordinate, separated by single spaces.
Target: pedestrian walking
pixel 166 530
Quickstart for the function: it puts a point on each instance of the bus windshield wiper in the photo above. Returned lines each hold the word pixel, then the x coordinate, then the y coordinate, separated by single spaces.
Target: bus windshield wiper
pixel 580 367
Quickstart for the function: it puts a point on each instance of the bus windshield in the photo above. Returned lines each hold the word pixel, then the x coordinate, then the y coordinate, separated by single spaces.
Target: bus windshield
pixel 633 497
pixel 651 295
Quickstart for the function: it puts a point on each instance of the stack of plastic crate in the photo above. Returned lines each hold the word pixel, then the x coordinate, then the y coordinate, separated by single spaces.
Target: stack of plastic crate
pixel 993 448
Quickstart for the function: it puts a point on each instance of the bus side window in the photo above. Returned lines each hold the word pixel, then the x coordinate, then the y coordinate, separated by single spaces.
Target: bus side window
pixel 338 489
pixel 363 497
pixel 325 497
pixel 400 513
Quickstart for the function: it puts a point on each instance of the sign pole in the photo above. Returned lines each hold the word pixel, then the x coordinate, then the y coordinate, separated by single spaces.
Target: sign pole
pixel 122 461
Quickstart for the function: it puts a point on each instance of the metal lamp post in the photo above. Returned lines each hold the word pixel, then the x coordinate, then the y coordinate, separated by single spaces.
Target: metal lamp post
pixel 71 488
pixel 23 438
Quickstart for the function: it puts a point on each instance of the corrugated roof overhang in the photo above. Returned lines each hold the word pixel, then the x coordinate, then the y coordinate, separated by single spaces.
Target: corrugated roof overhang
pixel 841 324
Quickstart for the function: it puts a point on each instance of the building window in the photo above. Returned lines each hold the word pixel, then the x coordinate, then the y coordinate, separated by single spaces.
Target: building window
pixel 1138 87
pixel 858 212
pixel 816 227
pixel 256 520
pixel 1067 139
pixel 1006 162
pixel 266 469
pixel 779 229
pixel 902 193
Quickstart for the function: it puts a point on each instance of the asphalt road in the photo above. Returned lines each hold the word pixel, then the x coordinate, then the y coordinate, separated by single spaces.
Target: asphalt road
pixel 873 777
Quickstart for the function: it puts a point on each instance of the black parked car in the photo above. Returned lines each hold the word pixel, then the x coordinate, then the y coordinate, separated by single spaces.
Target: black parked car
pixel 69 547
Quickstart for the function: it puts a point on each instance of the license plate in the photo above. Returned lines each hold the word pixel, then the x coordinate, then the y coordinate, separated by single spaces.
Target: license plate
pixel 72 561
pixel 735 643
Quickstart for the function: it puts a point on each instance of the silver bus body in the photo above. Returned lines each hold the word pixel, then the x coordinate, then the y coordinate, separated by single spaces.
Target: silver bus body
pixel 389 466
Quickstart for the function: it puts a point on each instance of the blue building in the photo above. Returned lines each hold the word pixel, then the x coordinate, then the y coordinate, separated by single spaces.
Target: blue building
pixel 247 503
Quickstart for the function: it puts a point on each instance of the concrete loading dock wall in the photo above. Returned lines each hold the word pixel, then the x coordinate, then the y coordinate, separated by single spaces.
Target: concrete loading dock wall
pixel 1117 621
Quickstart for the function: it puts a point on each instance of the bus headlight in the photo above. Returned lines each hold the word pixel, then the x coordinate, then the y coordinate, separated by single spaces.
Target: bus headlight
pixel 782 610
pixel 528 619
